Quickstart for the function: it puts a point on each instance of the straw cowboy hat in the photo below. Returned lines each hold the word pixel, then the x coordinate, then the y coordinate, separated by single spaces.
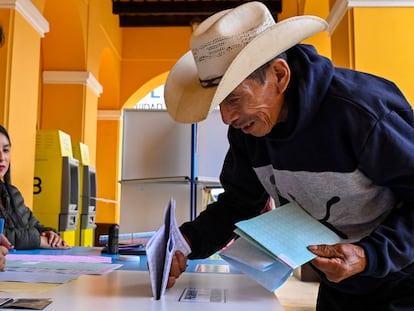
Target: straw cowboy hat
pixel 225 49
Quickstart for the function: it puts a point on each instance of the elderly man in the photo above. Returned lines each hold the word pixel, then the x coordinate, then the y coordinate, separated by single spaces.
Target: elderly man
pixel 338 142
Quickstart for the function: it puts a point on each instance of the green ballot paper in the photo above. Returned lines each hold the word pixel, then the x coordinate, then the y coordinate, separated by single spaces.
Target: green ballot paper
pixel 272 245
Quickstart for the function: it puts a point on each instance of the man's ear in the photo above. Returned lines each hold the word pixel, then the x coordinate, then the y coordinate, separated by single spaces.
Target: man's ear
pixel 282 74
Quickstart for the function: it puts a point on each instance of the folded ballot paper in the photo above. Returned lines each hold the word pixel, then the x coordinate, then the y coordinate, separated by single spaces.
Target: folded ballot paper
pixel 270 246
pixel 161 248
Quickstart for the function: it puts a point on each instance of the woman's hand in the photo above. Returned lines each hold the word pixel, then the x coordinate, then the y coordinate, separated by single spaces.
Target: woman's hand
pixel 50 239
pixel 5 242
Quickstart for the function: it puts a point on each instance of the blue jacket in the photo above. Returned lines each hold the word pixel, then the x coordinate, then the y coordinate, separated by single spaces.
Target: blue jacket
pixel 345 155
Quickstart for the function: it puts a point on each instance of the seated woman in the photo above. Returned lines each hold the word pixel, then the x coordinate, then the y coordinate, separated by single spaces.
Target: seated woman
pixel 21 228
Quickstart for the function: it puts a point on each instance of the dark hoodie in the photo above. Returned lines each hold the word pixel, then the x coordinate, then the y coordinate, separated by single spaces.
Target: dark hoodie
pixel 345 155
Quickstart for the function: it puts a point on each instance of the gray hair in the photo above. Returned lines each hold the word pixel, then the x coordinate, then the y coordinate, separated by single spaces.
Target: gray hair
pixel 260 73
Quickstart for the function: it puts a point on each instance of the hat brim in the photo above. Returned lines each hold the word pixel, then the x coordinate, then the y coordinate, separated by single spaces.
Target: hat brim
pixel 188 102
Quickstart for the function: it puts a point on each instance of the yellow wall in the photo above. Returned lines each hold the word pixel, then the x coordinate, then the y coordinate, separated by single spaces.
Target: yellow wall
pixel 108 163
pixel 62 112
pixel 318 8
pixel 5 61
pixel 89 40
pixel 342 42
pixel 154 53
pixel 377 40
pixel 385 44
pixel 20 77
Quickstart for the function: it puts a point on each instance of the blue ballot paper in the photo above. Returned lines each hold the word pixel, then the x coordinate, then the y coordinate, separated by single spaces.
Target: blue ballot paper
pixel 275 243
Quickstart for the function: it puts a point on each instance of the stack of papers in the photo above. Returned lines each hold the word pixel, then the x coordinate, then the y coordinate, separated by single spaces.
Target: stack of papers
pixel 61 264
pixel 161 248
pixel 275 243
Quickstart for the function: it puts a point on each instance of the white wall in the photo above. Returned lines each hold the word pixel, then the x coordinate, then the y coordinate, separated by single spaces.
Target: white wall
pixel 156 147
pixel 143 205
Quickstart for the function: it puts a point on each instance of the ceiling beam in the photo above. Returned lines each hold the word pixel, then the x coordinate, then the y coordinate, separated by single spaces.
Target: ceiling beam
pixel 140 13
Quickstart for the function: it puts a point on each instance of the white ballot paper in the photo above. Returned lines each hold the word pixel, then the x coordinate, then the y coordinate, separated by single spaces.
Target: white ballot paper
pixel 161 248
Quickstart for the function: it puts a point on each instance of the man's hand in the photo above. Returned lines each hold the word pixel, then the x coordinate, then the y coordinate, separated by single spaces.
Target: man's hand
pixel 178 266
pixel 50 239
pixel 339 261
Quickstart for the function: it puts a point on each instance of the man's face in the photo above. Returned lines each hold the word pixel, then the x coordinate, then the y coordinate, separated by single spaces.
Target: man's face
pixel 253 107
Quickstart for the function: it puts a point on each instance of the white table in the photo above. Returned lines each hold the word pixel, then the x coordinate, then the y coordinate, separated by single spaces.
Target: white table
pixel 131 290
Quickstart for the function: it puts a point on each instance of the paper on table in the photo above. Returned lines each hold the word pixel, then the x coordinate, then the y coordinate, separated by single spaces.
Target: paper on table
pixel 36 277
pixel 25 303
pixel 58 258
pixel 61 267
pixel 161 248
pixel 129 238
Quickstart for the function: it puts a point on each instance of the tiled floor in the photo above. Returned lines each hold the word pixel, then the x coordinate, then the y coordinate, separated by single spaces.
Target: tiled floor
pixel 297 295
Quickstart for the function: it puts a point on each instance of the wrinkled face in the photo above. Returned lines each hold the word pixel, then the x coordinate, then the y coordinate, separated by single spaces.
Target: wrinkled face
pixel 4 155
pixel 254 107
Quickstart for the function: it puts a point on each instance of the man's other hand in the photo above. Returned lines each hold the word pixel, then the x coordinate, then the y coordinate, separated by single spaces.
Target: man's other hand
pixel 339 261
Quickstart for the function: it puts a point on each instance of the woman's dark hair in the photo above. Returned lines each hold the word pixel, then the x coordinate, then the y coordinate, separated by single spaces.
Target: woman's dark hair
pixel 7 181
pixel 7 175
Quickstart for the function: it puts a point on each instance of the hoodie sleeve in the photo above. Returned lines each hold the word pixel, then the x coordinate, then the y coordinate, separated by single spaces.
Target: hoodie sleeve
pixel 244 197
pixel 388 158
